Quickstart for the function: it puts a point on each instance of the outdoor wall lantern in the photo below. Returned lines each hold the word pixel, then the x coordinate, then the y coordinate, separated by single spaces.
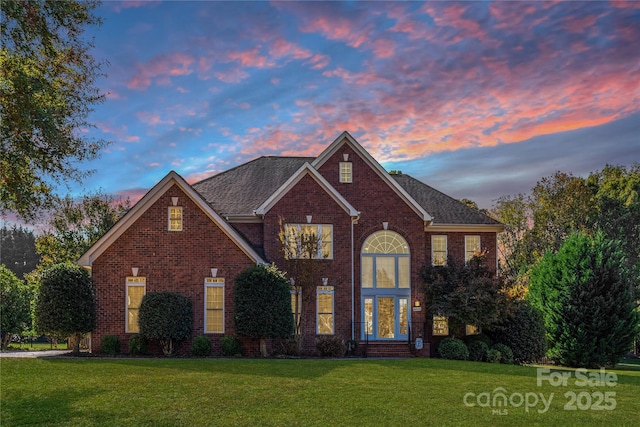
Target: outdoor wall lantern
pixel 214 272
pixel 416 303
pixel 134 271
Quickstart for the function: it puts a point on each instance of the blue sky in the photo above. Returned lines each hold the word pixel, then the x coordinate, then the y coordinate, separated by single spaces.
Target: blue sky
pixel 478 99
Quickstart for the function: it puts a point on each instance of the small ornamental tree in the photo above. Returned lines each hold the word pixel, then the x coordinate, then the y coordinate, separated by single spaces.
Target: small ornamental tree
pixel 263 304
pixel 468 294
pixel 15 311
pixel 65 303
pixel 585 294
pixel 167 317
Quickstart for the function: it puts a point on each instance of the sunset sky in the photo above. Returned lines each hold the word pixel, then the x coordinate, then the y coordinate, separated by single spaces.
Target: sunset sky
pixel 477 99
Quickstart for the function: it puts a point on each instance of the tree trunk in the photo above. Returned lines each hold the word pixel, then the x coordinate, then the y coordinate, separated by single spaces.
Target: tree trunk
pixel 263 347
pixel 76 344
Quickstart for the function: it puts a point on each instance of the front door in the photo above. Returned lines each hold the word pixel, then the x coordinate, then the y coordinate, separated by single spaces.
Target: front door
pixel 385 286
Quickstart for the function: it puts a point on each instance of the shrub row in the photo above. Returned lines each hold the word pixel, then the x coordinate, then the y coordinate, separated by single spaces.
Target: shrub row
pixel 477 350
pixel 201 346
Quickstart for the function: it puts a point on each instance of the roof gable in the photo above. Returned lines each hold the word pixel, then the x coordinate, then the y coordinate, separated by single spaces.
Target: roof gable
pixel 306 169
pixel 345 138
pixel 171 179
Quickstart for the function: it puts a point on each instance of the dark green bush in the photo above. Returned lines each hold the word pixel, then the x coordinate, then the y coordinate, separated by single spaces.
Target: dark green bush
pixel 493 356
pixel 110 344
pixel 138 345
pixel 478 350
pixel 201 346
pixel 453 348
pixel 331 346
pixel 506 355
pixel 167 317
pixel 231 346
pixel 524 333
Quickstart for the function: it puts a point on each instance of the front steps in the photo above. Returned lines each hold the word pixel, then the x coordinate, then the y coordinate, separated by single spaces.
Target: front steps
pixel 385 349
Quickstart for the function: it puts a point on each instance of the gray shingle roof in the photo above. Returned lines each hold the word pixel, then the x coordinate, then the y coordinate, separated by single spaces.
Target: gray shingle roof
pixel 241 190
pixel 443 209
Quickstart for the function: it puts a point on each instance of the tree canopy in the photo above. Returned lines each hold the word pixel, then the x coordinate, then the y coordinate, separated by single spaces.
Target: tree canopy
pixel 167 317
pixel 15 306
pixel 18 250
pixel 65 302
pixel 585 294
pixel 47 90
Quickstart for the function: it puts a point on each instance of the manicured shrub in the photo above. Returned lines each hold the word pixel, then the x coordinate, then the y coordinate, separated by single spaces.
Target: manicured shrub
pixel 477 350
pixel 453 348
pixel 506 355
pixel 138 345
pixel 493 356
pixel 110 344
pixel 524 333
pixel 231 346
pixel 201 346
pixel 167 317
pixel 331 346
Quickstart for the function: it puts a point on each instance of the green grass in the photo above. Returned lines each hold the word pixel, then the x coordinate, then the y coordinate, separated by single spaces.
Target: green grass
pixel 189 392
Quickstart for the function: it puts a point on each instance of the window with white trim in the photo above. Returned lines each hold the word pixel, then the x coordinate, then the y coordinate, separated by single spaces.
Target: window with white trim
pixel 439 250
pixel 471 247
pixel 296 308
pixel 440 325
pixel 346 172
pixel 214 305
pixel 136 288
pixel 324 321
pixel 175 218
pixel 309 241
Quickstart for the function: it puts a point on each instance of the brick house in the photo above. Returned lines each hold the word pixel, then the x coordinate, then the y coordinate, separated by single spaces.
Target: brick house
pixel 375 231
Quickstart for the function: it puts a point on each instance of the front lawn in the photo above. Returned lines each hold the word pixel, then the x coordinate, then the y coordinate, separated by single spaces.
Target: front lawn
pixel 189 392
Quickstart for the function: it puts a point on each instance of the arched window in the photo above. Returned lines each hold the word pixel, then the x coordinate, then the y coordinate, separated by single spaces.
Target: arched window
pixel 385 285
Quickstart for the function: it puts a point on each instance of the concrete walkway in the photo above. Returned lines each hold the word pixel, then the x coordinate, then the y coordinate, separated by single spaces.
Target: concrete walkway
pixel 33 354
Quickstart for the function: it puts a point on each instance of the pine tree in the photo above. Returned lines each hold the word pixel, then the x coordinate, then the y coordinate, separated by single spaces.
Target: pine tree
pixel 586 296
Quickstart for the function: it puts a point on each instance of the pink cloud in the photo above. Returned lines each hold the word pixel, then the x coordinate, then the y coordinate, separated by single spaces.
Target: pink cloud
pixel 152 119
pixel 120 132
pixel 161 67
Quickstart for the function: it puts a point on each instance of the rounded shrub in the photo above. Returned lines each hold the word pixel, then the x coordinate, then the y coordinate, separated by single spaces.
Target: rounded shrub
pixel 493 356
pixel 110 344
pixel 506 355
pixel 331 346
pixel 138 345
pixel 231 346
pixel 453 348
pixel 201 346
pixel 477 350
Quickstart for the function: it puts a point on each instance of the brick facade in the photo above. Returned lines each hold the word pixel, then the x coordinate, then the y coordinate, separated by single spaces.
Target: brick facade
pixel 179 261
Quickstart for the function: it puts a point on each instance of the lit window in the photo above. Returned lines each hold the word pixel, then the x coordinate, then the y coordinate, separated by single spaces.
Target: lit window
pixel 439 250
pixel 345 172
pixel 175 218
pixel 214 305
pixel 472 330
pixel 440 325
pixel 296 308
pixel 309 241
pixel 471 247
pixel 136 289
pixel 324 321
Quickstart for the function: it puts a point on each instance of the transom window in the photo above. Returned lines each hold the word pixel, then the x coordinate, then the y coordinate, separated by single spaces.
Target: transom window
pixel 175 218
pixel 346 175
pixel 309 241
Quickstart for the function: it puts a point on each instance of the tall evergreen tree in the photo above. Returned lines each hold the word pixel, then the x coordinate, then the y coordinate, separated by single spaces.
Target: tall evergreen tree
pixel 586 296
pixel 18 250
